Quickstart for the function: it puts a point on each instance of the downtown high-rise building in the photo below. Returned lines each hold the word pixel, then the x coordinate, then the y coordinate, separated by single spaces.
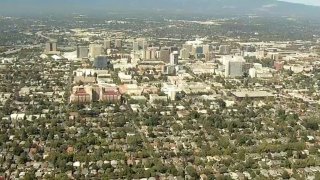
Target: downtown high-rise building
pixel 107 44
pixel 82 52
pixel 51 46
pixel 174 57
pixel 234 66
pixel 164 55
pixel 224 49
pixel 118 43
pixel 184 53
pixel 95 50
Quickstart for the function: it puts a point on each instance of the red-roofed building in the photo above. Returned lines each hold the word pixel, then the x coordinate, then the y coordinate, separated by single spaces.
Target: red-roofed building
pixel 110 95
pixel 81 94
pixel 88 94
pixel 278 65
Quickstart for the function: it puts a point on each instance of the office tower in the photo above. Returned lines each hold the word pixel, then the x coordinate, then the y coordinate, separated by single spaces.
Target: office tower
pixel 174 48
pixel 199 50
pixel 224 49
pixel 252 72
pixel 142 43
pixel 135 46
pixel 247 67
pixel 206 49
pixel 143 55
pixel 95 50
pixel 184 54
pixel 51 46
pixel 169 69
pixel 147 54
pixel 248 48
pixel 118 43
pixel 150 53
pixel 153 52
pixel 196 50
pixel 174 58
pixel 234 66
pixel 188 47
pixel 82 51
pixel 164 55
pixel 101 62
pixel 145 45
pixel 209 56
pixel 107 44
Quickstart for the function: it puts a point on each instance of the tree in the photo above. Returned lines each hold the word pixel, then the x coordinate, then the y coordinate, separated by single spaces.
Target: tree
pixel 17 150
pixel 211 177
pixel 312 124
pixel 241 154
pixel 29 176
pixel 285 175
pixel 192 172
pixel 152 120
pixel 221 103
pixel 134 141
pixel 23 158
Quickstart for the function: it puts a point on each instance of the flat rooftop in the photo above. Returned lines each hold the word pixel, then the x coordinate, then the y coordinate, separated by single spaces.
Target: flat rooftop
pixel 252 94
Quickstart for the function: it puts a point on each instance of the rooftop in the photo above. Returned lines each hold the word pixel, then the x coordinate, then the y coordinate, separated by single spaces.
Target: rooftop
pixel 252 94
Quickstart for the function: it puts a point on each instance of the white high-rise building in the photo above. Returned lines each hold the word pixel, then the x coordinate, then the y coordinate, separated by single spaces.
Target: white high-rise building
pixel 174 56
pixel 252 72
pixel 257 65
pixel 233 66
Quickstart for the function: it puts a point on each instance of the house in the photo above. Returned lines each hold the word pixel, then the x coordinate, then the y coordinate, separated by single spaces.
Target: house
pixel 16 117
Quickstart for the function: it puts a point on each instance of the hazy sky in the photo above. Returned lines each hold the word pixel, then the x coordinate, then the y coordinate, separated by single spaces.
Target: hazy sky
pixel 311 2
pixel 208 6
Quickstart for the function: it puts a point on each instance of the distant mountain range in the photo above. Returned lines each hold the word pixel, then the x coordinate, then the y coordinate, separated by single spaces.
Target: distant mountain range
pixel 208 7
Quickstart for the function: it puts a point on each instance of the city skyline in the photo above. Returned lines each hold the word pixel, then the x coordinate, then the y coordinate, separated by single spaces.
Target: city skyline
pixel 159 90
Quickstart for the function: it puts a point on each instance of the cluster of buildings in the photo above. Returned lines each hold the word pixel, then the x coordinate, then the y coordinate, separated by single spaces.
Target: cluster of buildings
pixel 119 106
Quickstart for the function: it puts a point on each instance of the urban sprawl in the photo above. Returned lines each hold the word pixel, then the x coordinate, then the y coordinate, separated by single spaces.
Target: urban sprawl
pixel 145 99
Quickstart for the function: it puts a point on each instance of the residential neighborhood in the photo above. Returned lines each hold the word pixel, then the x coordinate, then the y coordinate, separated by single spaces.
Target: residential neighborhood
pixel 84 98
